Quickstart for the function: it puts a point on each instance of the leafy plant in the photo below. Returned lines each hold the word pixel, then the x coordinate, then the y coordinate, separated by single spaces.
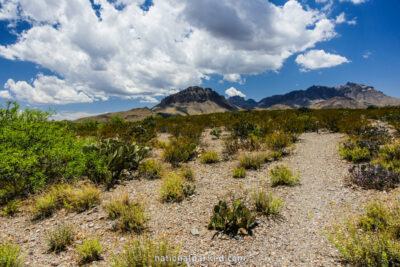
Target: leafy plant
pixel 242 129
pixel 11 208
pixel 216 132
pixel 150 169
pixel 58 239
pixel 145 252
pixel 266 204
pixel 172 189
pixel 232 219
pixel 178 151
pixel 374 177
pixel 281 175
pixel 10 255
pixel 239 172
pixel 389 156
pixel 251 161
pixel 90 250
pixel 209 157
pixel 352 152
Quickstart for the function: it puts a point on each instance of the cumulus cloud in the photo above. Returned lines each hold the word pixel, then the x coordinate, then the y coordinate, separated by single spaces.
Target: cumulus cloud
pixel 5 94
pixel 356 2
pixel 367 54
pixel 317 59
pixel 70 116
pixel 341 18
pixel 234 92
pixel 126 52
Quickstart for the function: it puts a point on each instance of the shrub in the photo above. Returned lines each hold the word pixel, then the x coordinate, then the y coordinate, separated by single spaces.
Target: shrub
pixel 372 239
pixel 145 252
pixel 90 250
pixel 81 199
pixel 251 162
pixel 188 189
pixel 389 156
pixel 231 147
pixel 281 175
pixel 242 129
pixel 58 239
pixel 150 169
pixel 209 157
pixel 374 177
pixel 233 219
pixel 187 174
pixel 278 141
pixel 172 189
pixel 131 216
pixel 239 172
pixel 179 150
pixel 10 255
pixel 45 206
pixel 216 132
pixel 266 204
pixel 11 208
pixel 352 152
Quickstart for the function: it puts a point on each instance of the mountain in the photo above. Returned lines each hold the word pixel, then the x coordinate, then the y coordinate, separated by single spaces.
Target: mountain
pixel 351 95
pixel 135 114
pixel 192 101
pixel 242 102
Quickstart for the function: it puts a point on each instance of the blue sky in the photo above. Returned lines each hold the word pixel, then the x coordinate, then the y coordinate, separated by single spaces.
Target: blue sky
pixel 87 57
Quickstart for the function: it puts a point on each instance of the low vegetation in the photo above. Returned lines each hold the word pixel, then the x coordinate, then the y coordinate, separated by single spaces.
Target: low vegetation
pixel 209 157
pixel 58 239
pixel 150 169
pixel 239 172
pixel 374 177
pixel 251 161
pixel 90 250
pixel 10 255
pixel 178 151
pixel 11 208
pixel 282 175
pixel 266 204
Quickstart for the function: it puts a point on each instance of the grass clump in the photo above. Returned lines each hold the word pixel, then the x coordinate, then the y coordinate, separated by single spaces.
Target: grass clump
pixel 145 252
pixel 11 208
pixel 251 162
pixel 131 215
pixel 58 239
pixel 281 175
pixel 372 239
pixel 389 156
pixel 62 195
pixel 239 172
pixel 150 169
pixel 266 204
pixel 278 141
pixel 174 188
pixel 90 250
pixel 178 151
pixel 209 157
pixel 188 174
pixel 232 219
pixel 10 255
pixel 352 152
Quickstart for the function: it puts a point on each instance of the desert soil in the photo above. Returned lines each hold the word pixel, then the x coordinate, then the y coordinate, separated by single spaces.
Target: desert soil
pixel 296 238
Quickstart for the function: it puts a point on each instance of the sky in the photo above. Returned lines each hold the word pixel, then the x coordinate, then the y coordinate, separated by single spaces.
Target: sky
pixel 85 57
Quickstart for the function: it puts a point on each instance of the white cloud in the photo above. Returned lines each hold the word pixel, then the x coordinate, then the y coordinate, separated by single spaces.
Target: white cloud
pixel 131 53
pixel 341 18
pixel 234 92
pixel 367 54
pixel 148 99
pixel 70 116
pixel 317 59
pixel 5 94
pixel 356 2
pixel 234 78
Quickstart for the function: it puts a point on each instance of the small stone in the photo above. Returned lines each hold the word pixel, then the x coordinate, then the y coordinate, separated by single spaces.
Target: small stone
pixel 91 225
pixel 79 242
pixel 195 232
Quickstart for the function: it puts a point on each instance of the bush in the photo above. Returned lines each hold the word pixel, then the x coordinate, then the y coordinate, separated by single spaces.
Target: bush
pixel 11 208
pixel 178 151
pixel 90 250
pixel 145 252
pixel 281 175
pixel 187 174
pixel 278 141
pixel 233 219
pixel 10 255
pixel 150 169
pixel 209 157
pixel 172 189
pixel 216 132
pixel 389 156
pixel 131 216
pixel 239 172
pixel 374 177
pixel 352 152
pixel 242 129
pixel 231 147
pixel 188 189
pixel 251 162
pixel 60 238
pixel 372 239
pixel 266 204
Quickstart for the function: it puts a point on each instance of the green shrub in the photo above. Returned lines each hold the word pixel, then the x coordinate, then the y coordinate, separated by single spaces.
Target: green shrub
pixel 266 204
pixel 83 198
pixel 389 156
pixel 188 189
pixel 178 151
pixel 131 216
pixel 209 157
pixel 145 252
pixel 231 147
pixel 352 152
pixel 10 255
pixel 281 175
pixel 216 132
pixel 187 174
pixel 58 239
pixel 233 219
pixel 90 250
pixel 251 161
pixel 243 129
pixel 278 141
pixel 11 208
pixel 150 169
pixel 172 189
pixel 372 239
pixel 239 172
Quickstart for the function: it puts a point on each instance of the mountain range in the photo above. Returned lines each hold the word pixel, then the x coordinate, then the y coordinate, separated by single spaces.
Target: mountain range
pixel 197 100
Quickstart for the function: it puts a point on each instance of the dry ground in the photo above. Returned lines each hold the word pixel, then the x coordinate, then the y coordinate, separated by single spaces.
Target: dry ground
pixel 296 239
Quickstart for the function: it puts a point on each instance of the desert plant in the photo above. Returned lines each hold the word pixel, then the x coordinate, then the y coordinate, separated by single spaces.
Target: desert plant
pixel 216 132
pixel 352 152
pixel 266 204
pixel 188 189
pixel 209 157
pixel 242 129
pixel 239 172
pixel 10 255
pixel 251 161
pixel 232 219
pixel 278 141
pixel 83 198
pixel 145 252
pixel 374 177
pixel 172 189
pixel 389 156
pixel 178 151
pixel 59 238
pixel 11 208
pixel 281 175
pixel 90 250
pixel 150 169
pixel 188 174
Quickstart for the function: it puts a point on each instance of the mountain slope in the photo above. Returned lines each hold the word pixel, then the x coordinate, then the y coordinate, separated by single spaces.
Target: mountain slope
pixel 242 102
pixel 135 114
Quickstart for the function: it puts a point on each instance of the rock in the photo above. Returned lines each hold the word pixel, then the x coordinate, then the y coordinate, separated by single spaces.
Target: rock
pixel 91 225
pixel 195 232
